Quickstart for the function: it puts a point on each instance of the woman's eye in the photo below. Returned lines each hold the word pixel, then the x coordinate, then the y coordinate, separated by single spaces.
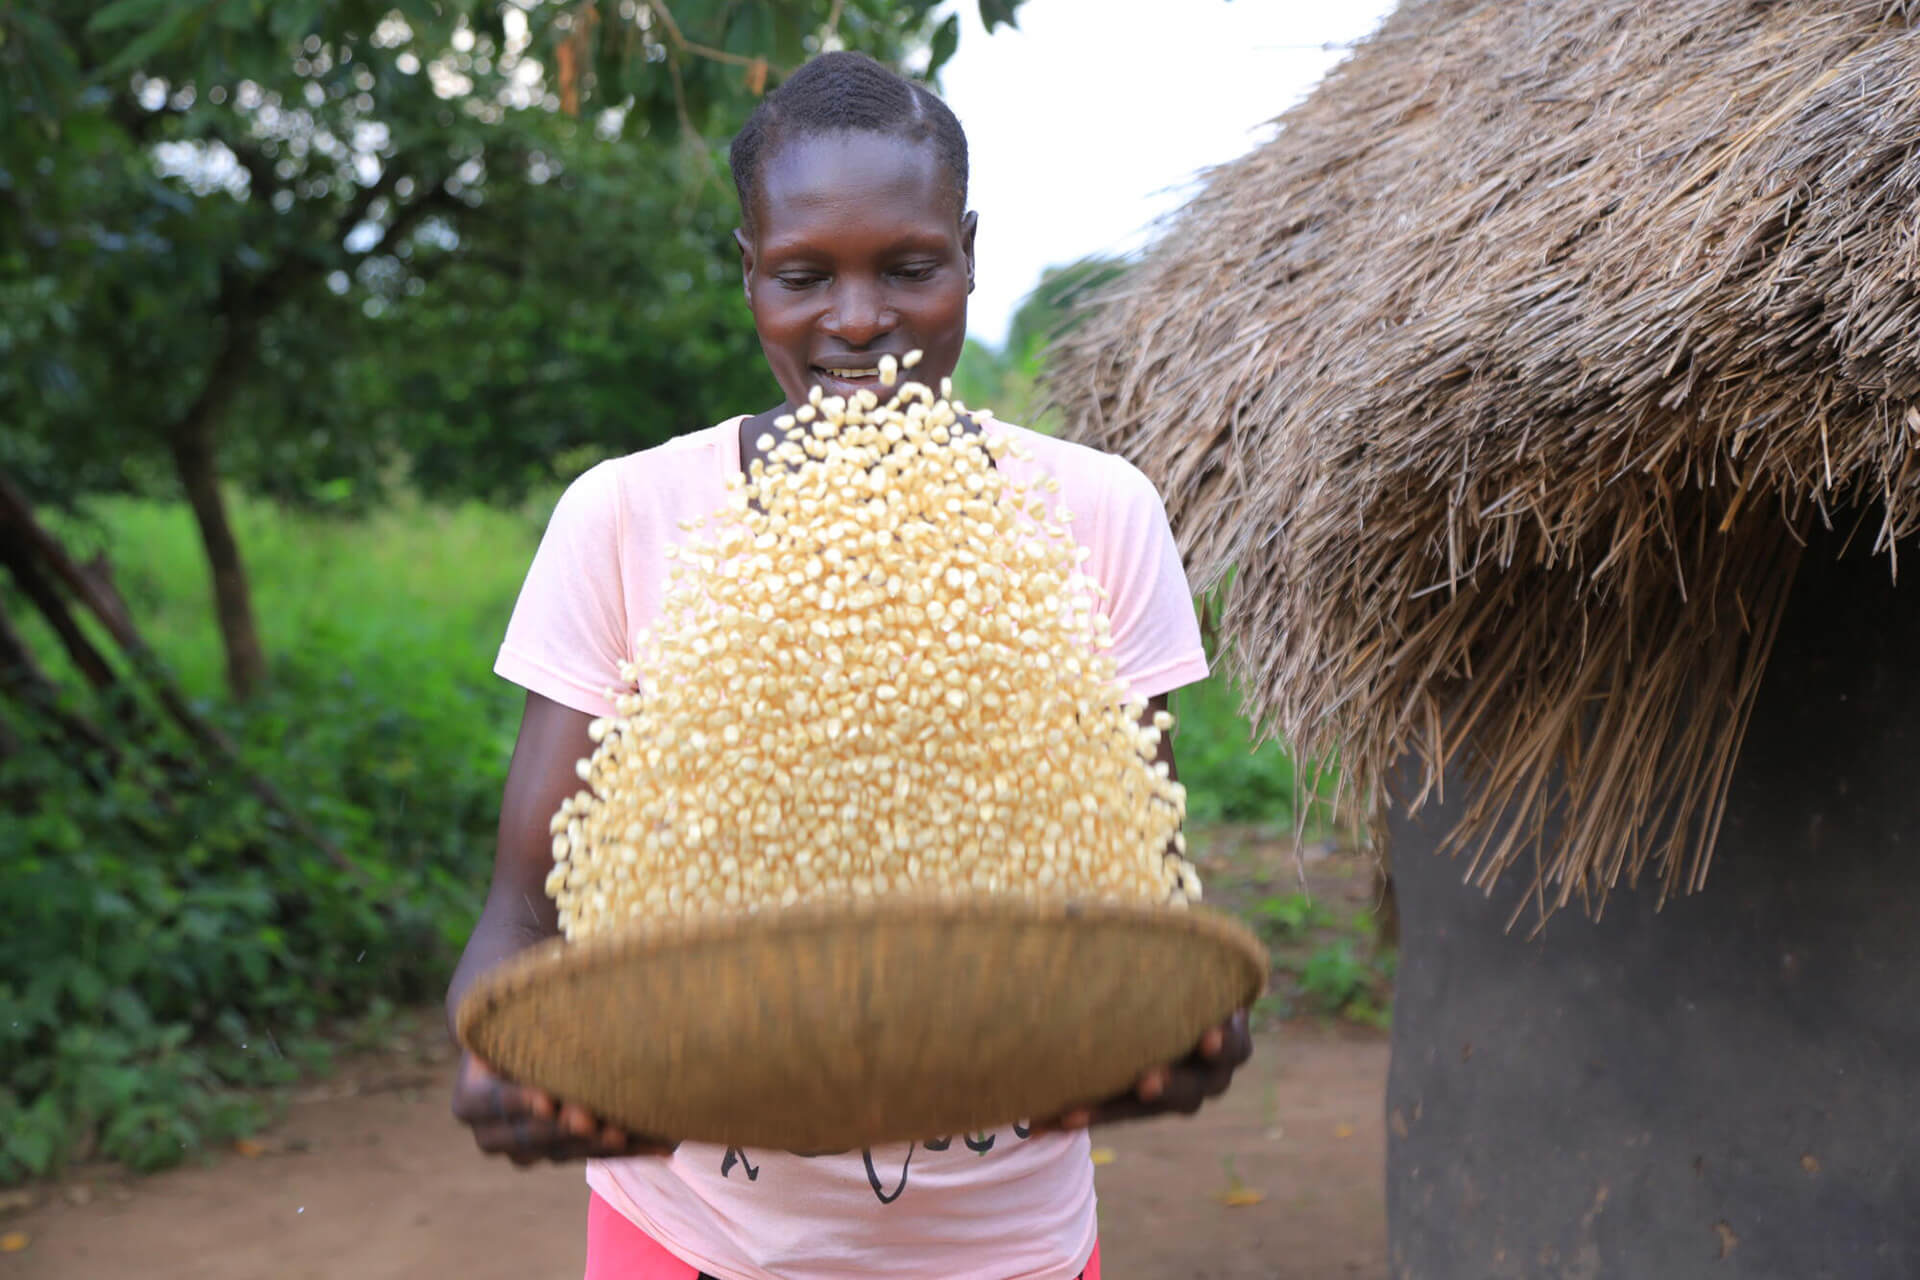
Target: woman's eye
pixel 799 279
pixel 918 271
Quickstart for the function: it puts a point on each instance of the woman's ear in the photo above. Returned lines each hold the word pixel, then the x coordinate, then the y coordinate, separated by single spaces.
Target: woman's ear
pixel 746 263
pixel 968 225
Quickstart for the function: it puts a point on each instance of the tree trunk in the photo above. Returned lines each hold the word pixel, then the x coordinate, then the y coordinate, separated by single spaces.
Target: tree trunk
pixel 17 554
pixel 23 682
pixel 93 586
pixel 193 459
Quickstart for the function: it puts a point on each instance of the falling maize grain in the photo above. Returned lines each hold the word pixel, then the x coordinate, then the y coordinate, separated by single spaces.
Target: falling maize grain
pixel 878 670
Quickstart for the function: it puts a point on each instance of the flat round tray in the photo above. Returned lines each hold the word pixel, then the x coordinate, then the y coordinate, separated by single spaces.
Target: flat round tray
pixel 831 1028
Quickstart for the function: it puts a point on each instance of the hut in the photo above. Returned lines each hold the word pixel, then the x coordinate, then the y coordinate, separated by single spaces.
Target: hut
pixel 1549 389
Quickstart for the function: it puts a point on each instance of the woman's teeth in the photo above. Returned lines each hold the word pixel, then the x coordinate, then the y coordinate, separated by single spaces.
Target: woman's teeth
pixel 852 373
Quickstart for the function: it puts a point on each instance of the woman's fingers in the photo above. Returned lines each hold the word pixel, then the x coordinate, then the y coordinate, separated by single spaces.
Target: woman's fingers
pixel 479 1096
pixel 1236 1039
pixel 527 1141
pixel 578 1122
pixel 523 1140
pixel 1181 1086
pixel 1065 1122
pixel 529 1125
pixel 1231 1041
pixel 1222 1051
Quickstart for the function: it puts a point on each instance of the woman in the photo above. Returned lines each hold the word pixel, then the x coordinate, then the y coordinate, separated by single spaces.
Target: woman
pixel 855 243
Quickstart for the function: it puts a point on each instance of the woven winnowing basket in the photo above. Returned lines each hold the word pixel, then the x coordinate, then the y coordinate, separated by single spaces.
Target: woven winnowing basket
pixel 827 1028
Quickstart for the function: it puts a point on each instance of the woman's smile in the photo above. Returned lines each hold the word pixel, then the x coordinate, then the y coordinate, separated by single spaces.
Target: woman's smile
pixel 842 375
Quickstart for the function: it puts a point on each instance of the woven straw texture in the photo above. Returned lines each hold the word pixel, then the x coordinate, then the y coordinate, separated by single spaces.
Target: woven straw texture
pixel 831 1028
pixel 1504 382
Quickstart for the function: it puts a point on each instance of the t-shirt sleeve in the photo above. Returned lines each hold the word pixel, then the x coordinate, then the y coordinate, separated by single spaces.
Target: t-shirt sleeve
pixel 1156 636
pixel 568 634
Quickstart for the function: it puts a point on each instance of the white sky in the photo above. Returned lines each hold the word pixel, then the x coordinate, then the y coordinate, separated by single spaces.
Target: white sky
pixel 1095 116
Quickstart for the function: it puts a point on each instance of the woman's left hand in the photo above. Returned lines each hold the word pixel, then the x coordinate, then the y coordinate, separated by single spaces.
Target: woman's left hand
pixel 1177 1087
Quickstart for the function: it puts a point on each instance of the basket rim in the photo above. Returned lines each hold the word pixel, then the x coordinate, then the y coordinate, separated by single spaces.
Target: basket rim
pixel 511 976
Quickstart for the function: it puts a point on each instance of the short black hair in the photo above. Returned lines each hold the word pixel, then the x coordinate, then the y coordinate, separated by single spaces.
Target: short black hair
pixel 845 92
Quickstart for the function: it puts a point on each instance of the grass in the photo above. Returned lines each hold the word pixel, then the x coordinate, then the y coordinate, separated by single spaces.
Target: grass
pixel 425 585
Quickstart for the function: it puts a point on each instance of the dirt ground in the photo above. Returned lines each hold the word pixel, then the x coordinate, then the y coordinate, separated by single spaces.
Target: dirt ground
pixel 369 1178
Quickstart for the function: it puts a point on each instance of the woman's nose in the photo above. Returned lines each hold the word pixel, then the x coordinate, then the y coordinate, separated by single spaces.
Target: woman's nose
pixel 859 315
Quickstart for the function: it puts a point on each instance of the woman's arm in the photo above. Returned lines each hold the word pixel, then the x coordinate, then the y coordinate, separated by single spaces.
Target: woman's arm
pixel 524 1124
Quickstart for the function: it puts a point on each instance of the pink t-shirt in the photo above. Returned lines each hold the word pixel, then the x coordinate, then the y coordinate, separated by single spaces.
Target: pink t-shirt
pixel 987 1206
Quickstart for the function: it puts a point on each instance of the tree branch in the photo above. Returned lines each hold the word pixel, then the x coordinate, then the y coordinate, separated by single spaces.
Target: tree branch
pixel 22 679
pixel 99 596
pixel 356 211
pixel 410 216
pixel 88 660
pixel 659 10
pixel 262 180
pixel 137 119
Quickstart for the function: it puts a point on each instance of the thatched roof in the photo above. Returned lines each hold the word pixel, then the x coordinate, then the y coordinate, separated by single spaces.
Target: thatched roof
pixel 1503 377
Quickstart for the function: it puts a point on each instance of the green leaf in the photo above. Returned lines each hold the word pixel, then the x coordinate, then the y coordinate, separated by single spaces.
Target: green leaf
pixel 995 12
pixel 238 15
pixel 169 30
pixel 32 1147
pixel 946 39
pixel 87 987
pixel 291 19
pixel 47 57
pixel 129 13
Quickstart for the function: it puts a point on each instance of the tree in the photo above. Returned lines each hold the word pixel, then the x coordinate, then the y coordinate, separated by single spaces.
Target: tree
pixel 1007 380
pixel 1054 304
pixel 262 240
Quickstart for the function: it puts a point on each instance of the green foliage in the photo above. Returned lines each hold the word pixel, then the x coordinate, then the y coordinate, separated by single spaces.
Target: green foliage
pixel 156 960
pixel 980 379
pixel 1286 916
pixel 619 325
pixel 1007 380
pixel 1054 305
pixel 1326 964
pixel 427 585
pixel 1228 777
pixel 1339 981
pixel 463 233
pixel 141 991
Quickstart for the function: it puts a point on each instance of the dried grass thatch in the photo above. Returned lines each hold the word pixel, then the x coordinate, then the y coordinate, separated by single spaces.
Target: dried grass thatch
pixel 1504 380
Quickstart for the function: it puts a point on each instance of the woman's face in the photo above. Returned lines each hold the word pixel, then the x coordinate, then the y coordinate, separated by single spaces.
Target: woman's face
pixel 858 251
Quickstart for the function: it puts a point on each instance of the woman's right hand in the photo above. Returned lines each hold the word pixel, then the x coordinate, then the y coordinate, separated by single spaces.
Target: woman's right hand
pixel 529 1126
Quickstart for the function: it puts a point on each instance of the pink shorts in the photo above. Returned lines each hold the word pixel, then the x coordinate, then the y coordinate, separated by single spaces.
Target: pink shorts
pixel 618 1250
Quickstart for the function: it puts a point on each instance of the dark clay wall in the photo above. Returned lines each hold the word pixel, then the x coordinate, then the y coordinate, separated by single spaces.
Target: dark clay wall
pixel 1724 1088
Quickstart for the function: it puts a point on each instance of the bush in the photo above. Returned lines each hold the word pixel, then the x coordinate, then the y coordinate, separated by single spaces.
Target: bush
pixel 166 943
pixel 156 960
pixel 1228 777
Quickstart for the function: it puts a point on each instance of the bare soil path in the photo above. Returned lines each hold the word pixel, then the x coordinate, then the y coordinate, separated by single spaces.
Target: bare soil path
pixel 368 1177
